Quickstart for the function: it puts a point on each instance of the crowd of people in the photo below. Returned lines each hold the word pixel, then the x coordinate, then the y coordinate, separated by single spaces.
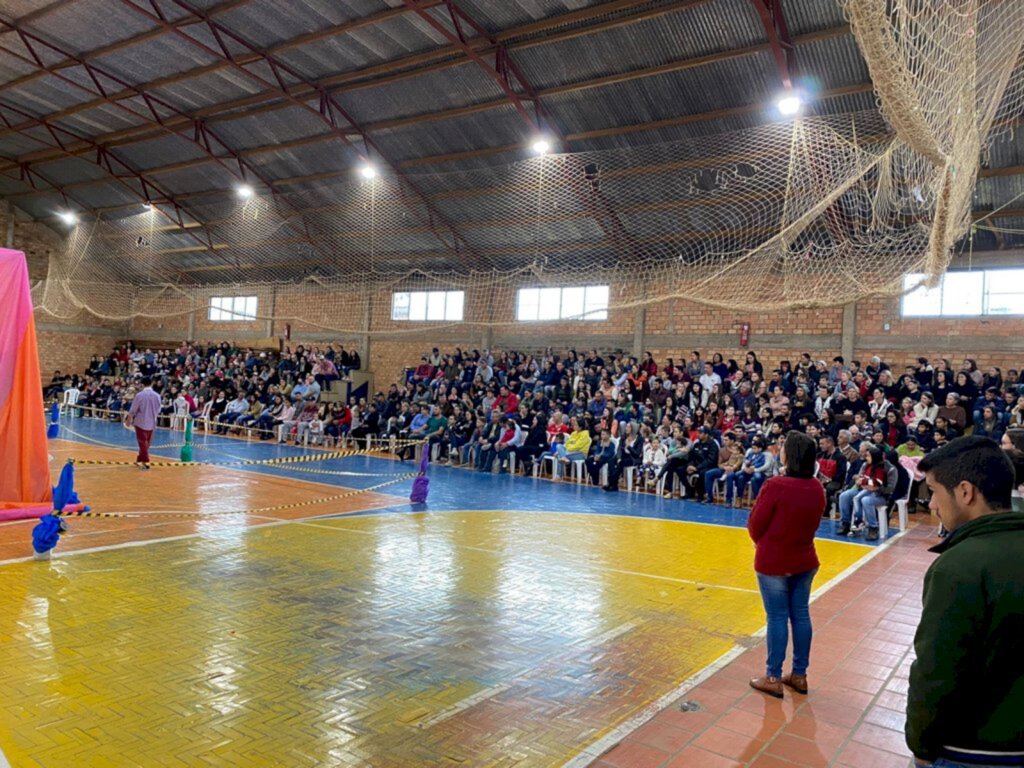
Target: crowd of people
pixel 705 428
pixel 800 438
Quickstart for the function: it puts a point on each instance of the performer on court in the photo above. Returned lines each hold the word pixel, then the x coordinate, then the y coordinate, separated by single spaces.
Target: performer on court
pixel 142 415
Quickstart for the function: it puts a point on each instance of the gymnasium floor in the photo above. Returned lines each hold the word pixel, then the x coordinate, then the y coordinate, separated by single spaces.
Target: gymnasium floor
pixel 508 621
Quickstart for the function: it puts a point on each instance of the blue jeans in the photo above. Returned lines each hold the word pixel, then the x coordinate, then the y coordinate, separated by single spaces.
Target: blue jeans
pixel 738 481
pixel 943 762
pixel 861 504
pixel 710 477
pixel 787 601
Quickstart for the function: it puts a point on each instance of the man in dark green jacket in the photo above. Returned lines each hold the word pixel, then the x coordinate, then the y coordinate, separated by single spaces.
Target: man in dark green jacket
pixel 965 706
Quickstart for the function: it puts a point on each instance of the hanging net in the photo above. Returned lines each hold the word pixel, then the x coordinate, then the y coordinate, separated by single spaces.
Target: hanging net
pixel 821 210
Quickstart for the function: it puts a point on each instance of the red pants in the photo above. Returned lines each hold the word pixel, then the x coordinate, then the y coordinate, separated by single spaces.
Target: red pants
pixel 144 437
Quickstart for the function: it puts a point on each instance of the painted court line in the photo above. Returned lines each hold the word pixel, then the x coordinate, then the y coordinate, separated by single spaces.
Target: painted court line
pixel 494 690
pixel 248 472
pixel 272 522
pixel 603 569
pixel 617 734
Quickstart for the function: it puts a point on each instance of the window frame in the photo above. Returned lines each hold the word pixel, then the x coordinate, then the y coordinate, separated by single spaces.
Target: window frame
pixel 594 302
pixel 421 302
pixel 232 309
pixel 987 288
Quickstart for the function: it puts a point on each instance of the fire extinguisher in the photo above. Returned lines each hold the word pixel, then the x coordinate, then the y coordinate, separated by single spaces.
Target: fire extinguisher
pixel 744 334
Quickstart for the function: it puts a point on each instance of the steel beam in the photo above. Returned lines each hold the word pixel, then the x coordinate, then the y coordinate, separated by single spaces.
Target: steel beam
pixel 677 66
pixel 392 71
pixel 329 111
pixel 120 172
pixel 783 49
pixel 508 76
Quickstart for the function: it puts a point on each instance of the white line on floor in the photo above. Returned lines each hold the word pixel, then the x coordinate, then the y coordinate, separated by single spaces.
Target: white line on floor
pixel 617 734
pixel 591 566
pixel 494 690
pixel 271 523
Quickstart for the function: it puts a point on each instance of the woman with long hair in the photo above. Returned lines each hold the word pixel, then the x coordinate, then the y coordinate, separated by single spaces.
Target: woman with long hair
pixel 1013 443
pixel 893 429
pixel 782 525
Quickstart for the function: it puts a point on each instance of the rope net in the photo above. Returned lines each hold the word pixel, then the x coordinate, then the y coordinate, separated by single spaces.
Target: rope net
pixel 820 210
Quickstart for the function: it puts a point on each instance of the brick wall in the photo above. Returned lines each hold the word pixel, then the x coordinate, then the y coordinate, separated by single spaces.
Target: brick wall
pixel 70 350
pixel 670 329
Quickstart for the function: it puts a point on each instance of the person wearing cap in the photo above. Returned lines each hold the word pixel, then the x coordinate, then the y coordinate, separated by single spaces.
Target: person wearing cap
pixel 965 695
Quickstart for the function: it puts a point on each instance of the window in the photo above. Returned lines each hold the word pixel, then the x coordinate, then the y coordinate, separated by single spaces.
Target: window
pixel 427 305
pixel 232 308
pixel 1005 295
pixel 966 294
pixel 588 302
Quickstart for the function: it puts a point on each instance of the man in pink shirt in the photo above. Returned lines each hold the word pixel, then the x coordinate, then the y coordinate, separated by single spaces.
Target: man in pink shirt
pixel 142 415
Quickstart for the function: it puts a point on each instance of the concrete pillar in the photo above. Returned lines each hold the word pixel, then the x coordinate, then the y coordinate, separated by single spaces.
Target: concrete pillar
pixel 271 313
pixel 639 325
pixel 364 353
pixel 849 330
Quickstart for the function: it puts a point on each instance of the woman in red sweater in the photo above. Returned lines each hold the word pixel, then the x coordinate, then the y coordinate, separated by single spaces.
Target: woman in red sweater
pixel 782 525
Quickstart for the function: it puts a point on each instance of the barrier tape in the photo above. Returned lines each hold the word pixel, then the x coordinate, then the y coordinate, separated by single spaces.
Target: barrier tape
pixel 386 442
pixel 122 447
pixel 339 472
pixel 240 463
pixel 255 511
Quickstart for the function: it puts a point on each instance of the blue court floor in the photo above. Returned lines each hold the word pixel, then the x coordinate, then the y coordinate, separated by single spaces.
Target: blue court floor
pixel 451 488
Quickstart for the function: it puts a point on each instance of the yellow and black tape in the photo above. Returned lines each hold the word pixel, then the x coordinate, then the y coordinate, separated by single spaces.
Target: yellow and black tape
pixel 254 511
pixel 240 463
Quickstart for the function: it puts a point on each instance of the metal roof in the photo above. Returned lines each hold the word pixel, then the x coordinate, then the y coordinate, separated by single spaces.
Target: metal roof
pixel 123 106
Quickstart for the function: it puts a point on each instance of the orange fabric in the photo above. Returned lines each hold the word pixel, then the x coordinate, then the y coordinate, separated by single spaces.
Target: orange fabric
pixel 24 461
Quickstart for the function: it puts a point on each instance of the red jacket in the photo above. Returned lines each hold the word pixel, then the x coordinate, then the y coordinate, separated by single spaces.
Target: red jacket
pixel 782 525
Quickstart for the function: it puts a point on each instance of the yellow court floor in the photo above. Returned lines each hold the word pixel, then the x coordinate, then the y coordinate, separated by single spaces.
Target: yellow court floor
pixel 485 638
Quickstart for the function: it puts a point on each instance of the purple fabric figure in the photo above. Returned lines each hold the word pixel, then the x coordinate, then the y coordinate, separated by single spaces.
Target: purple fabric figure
pixel 421 484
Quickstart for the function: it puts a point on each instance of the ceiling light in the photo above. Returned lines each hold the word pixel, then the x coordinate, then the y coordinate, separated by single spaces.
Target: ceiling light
pixel 147 205
pixel 244 191
pixel 68 217
pixel 790 104
pixel 368 172
pixel 541 146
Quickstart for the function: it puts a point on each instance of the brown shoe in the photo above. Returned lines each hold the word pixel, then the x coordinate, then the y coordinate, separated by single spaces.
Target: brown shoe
pixel 797 682
pixel 770 685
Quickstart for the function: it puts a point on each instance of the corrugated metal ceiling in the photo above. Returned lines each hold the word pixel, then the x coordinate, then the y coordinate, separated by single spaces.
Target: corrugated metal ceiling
pixel 243 106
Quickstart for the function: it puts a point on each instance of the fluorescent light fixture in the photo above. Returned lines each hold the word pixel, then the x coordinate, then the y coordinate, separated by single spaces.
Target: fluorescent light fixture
pixel 68 217
pixel 541 146
pixel 244 191
pixel 368 172
pixel 790 103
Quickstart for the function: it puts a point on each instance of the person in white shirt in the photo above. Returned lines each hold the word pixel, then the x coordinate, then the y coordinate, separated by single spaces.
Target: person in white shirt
pixel 709 378
pixel 925 409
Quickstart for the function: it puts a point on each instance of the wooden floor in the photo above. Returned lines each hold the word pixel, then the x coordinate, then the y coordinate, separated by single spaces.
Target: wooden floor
pixel 508 622
pixel 154 496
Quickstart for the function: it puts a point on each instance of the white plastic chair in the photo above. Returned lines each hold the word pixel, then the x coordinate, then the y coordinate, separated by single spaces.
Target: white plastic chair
pixel 204 416
pixel 547 458
pixel 180 416
pixel 69 399
pixel 901 510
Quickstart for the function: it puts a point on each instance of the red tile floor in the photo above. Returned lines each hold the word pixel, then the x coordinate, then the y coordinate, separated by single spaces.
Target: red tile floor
pixel 854 714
